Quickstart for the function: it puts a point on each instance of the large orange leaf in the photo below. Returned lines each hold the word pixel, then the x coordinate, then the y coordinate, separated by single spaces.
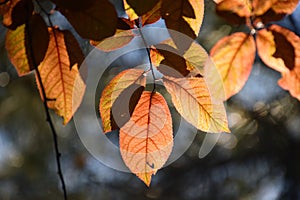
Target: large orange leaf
pixel 234 56
pixel 285 6
pixel 192 99
pixel 27 45
pixel 117 41
pixel 279 48
pixel 60 80
pixel 146 140
pixel 112 91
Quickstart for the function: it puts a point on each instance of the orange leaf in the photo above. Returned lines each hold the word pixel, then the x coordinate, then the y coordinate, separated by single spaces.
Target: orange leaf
pixel 285 6
pixel 117 41
pixel 279 48
pixel 27 45
pixel 112 91
pixel 234 56
pixel 146 140
pixel 196 22
pixel 60 80
pixel 192 99
pixel 260 7
pixel 240 7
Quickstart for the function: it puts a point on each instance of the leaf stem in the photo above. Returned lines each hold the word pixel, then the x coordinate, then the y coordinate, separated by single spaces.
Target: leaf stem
pixel 48 116
pixel 149 58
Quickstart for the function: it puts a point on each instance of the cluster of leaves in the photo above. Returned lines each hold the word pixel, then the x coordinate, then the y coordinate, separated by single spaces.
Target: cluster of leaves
pixel 146 136
pixel 277 46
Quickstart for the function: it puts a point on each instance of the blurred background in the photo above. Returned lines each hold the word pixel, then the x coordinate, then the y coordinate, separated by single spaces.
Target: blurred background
pixel 259 160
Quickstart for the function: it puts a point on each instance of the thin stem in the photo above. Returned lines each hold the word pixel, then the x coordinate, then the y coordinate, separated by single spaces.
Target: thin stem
pixel 149 58
pixel 48 116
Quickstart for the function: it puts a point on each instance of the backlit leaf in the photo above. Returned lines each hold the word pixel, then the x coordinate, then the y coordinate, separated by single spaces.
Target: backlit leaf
pixel 60 80
pixel 117 41
pixel 291 81
pixel 285 6
pixel 146 140
pixel 195 23
pixel 129 11
pixel 192 99
pixel 27 45
pixel 115 87
pixel 96 22
pixel 234 56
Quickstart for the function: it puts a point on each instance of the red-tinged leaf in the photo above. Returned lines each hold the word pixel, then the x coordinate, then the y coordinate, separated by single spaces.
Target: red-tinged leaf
pixel 113 90
pixel 27 45
pixel 291 81
pixel 285 6
pixel 192 99
pixel 279 48
pixel 146 140
pixel 18 13
pixel 234 56
pixel 96 22
pixel 119 40
pixel 142 7
pixel 153 15
pixel 234 11
pixel 63 84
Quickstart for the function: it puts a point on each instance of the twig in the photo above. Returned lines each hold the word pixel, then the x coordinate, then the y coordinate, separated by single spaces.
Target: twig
pixel 48 116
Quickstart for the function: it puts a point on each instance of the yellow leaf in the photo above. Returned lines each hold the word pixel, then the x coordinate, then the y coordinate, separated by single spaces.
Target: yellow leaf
pixel 195 23
pixel 192 99
pixel 117 41
pixel 130 12
pixel 234 56
pixel 146 140
pixel 115 87
pixel 60 80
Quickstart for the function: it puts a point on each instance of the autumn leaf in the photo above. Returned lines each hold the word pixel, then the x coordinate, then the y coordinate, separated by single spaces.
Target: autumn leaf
pixel 95 22
pixel 279 48
pixel 234 56
pixel 285 6
pixel 59 79
pixel 184 16
pixel 129 11
pixel 112 91
pixel 142 7
pixel 27 45
pixel 152 15
pixel 146 140
pixel 74 5
pixel 117 41
pixel 192 99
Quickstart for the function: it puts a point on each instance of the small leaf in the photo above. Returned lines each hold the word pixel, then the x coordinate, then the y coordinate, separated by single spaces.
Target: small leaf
pixel 192 99
pixel 234 56
pixel 27 45
pixel 96 22
pixel 60 80
pixel 114 89
pixel 146 140
pixel 117 41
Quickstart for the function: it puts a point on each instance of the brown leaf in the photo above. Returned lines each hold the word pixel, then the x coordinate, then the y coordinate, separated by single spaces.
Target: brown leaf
pixel 234 56
pixel 146 140
pixel 192 99
pixel 73 49
pixel 96 22
pixel 74 5
pixel 63 84
pixel 142 7
pixel 153 15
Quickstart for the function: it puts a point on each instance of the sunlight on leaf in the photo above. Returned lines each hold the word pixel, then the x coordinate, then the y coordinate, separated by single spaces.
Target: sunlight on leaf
pixel 115 87
pixel 117 41
pixel 146 140
pixel 129 11
pixel 59 78
pixel 285 6
pixel 196 22
pixel 192 99
pixel 234 56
